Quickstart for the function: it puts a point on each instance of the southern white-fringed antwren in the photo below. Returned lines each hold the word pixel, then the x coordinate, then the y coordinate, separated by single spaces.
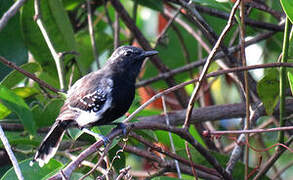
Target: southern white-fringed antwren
pixel 96 99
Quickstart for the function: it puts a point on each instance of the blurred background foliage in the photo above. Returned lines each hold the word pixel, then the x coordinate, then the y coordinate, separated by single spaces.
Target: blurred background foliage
pixel 29 109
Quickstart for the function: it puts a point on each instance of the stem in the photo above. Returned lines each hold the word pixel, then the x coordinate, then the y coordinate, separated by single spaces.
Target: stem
pixel 10 154
pixel 92 33
pixel 283 77
pixel 207 64
pixel 246 85
pixel 56 57
pixel 171 138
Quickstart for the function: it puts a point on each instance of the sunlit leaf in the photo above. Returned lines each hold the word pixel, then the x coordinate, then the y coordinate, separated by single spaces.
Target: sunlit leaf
pixel 15 77
pixel 288 8
pixel 16 104
pixel 35 172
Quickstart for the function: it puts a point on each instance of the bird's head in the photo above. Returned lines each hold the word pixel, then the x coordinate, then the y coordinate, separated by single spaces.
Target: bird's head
pixel 128 59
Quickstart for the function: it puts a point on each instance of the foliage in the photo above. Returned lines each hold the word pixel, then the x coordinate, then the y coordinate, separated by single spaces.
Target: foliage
pixel 26 107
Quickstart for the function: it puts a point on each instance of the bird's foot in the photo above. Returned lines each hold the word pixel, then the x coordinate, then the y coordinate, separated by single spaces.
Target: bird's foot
pixel 105 139
pixel 121 126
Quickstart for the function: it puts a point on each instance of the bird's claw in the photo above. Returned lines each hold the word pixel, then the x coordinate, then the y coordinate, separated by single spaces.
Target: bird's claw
pixel 123 127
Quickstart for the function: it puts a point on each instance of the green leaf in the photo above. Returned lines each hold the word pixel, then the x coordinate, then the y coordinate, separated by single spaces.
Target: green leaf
pixel 48 115
pixel 57 26
pixel 15 77
pixel 172 55
pixel 74 133
pixel 34 172
pixel 25 92
pixel 268 90
pixel 4 111
pixel 12 45
pixel 85 46
pixel 288 8
pixel 17 105
pixel 72 4
pixel 18 138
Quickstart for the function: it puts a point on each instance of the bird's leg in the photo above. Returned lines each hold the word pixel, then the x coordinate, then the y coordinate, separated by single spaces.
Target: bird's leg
pixel 121 126
pixel 96 135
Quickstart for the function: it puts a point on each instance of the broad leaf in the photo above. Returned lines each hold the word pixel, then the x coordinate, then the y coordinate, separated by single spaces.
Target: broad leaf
pixel 16 104
pixel 34 172
pixel 288 8
pixel 12 46
pixel 268 90
pixel 58 27
pixel 15 77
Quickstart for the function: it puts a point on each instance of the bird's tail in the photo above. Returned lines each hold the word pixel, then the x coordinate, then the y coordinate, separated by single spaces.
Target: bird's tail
pixel 50 144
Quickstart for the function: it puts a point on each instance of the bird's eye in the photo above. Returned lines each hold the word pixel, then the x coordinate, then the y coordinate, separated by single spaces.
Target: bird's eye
pixel 128 53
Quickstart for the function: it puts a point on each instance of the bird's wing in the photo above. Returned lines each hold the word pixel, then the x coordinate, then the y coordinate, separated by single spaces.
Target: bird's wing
pixel 89 97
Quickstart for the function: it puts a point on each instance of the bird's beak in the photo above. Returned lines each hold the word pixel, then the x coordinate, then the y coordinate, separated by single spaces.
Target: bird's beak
pixel 150 53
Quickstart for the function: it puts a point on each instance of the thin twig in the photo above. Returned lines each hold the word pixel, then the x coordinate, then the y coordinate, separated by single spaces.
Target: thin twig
pixel 107 148
pixel 109 21
pixel 167 164
pixel 56 57
pixel 10 154
pixel 171 138
pixel 123 172
pixel 213 74
pixel 263 7
pixel 67 171
pixel 207 64
pixel 190 30
pixel 159 149
pixel 28 74
pixel 181 95
pixel 246 86
pixel 134 17
pixel 85 163
pixel 253 23
pixel 167 26
pixel 116 31
pixel 269 163
pixel 248 131
pixel 283 76
pixel 202 61
pixel 190 160
pixel 92 32
pixel 10 13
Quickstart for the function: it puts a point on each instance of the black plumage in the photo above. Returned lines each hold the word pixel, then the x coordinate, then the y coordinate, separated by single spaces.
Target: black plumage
pixel 98 98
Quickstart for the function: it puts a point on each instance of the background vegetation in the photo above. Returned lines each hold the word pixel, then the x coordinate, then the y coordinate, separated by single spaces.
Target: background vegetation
pixel 198 82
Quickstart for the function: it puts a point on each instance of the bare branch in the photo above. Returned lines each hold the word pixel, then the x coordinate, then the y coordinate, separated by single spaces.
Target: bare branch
pixel 10 13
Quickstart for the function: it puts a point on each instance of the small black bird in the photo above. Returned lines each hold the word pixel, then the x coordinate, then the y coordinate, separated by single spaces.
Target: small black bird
pixel 98 98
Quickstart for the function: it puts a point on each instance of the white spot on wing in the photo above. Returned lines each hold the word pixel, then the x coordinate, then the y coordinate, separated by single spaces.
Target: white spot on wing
pixel 86 117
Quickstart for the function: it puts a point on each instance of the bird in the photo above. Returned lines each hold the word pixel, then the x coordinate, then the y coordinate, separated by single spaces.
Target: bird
pixel 97 99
